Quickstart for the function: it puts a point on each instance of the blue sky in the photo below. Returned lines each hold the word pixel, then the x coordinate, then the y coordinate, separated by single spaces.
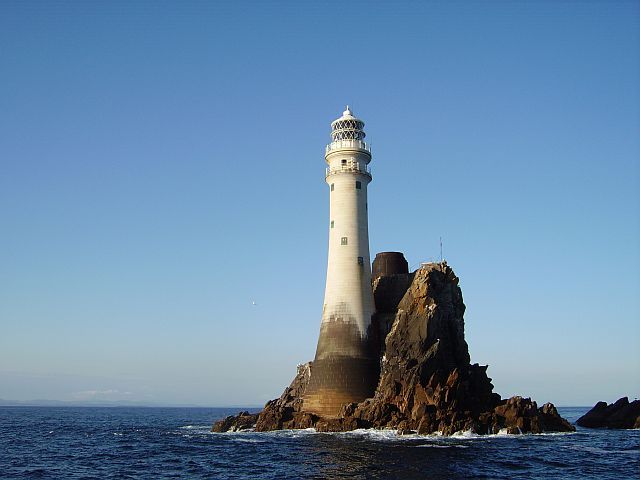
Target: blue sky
pixel 162 169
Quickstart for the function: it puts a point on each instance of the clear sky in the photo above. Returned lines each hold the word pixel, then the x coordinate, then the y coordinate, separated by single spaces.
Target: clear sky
pixel 162 169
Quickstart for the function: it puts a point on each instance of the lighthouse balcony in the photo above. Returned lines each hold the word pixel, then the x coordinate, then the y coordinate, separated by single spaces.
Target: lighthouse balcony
pixel 348 144
pixel 349 168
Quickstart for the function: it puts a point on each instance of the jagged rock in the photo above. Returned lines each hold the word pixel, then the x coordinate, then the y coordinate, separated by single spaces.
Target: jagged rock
pixel 552 421
pixel 522 415
pixel 236 423
pixel 427 383
pixel 285 412
pixel 620 414
pixel 281 413
pixel 429 322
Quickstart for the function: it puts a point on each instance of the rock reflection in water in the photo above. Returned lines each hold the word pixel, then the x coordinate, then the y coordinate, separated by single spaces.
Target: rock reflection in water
pixel 358 457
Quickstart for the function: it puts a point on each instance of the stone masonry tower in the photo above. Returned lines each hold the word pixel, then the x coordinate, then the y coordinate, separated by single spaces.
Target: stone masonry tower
pixel 345 368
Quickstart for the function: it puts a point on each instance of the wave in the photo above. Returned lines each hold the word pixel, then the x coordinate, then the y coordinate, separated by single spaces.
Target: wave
pixel 440 445
pixel 468 434
pixel 247 440
pixel 602 451
pixel 195 427
pixel 385 435
pixel 392 434
pixel 275 433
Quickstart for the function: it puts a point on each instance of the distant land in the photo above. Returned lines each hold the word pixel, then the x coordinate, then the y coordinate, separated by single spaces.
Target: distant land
pixel 106 403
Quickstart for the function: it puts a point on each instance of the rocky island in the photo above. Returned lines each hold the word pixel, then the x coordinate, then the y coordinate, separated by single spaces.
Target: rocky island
pixel 427 382
pixel 621 414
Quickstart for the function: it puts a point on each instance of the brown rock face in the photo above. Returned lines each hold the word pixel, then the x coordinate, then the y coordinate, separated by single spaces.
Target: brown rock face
pixel 620 414
pixel 426 383
pixel 522 415
pixel 281 413
pixel 427 333
pixel 286 412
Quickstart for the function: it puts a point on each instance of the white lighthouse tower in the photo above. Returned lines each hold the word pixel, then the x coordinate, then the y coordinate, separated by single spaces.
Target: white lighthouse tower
pixel 345 368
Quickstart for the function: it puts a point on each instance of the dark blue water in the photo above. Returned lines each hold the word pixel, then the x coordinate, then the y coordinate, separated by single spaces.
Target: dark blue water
pixel 52 442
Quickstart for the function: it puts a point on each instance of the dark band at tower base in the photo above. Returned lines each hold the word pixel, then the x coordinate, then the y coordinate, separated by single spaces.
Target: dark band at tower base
pixel 338 381
pixel 346 368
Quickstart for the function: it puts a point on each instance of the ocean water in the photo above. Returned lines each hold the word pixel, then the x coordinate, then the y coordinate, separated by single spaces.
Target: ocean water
pixel 64 442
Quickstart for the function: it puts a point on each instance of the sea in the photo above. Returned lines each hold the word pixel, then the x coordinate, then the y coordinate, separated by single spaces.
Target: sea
pixel 141 443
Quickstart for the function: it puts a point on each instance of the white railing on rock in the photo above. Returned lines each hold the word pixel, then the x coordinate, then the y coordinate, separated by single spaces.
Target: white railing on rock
pixel 353 168
pixel 338 144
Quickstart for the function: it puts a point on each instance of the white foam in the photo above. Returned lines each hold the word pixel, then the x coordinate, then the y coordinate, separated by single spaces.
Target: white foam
pixel 247 440
pixel 384 435
pixel 469 435
pixel 377 435
pixel 437 445
pixel 287 433
pixel 389 435
pixel 196 427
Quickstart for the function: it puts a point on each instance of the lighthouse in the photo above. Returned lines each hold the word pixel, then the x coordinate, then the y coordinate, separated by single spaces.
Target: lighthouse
pixel 345 368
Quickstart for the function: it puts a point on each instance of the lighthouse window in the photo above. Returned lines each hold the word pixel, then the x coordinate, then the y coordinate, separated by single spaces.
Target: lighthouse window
pixel 361 261
pixel 358 185
pixel 331 223
pixel 343 241
pixel 332 186
pixel 344 161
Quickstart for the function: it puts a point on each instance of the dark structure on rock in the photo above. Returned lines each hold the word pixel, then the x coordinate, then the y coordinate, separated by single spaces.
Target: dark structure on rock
pixel 427 383
pixel 389 263
pixel 620 414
